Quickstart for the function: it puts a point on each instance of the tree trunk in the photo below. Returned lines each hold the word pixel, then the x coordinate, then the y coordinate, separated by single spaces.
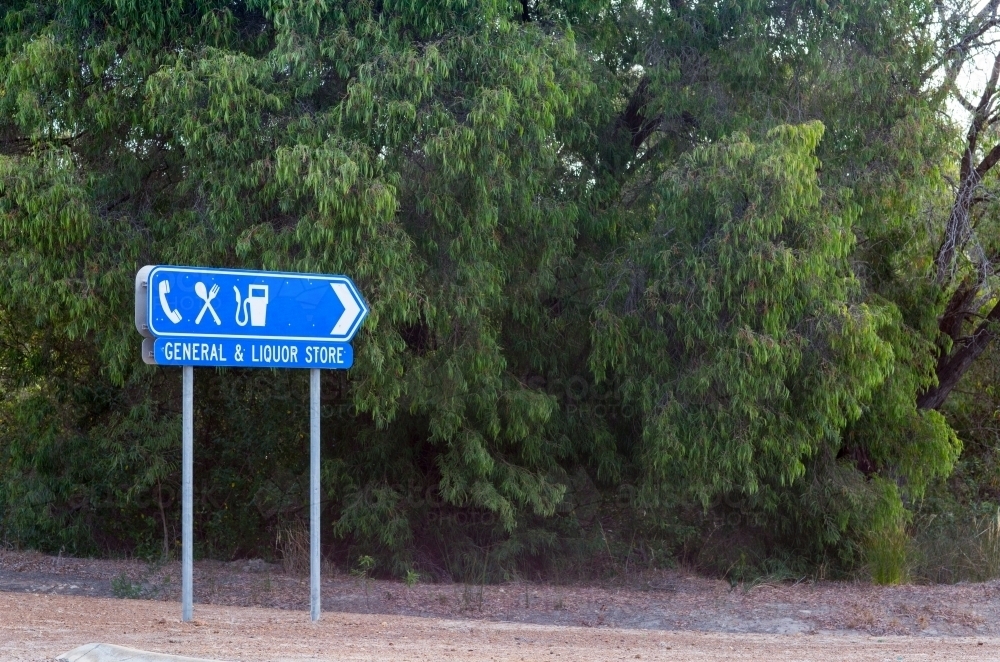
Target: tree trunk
pixel 959 230
pixel 952 367
pixel 956 313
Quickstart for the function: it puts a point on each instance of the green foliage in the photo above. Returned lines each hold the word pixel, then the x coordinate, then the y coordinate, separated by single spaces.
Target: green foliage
pixel 123 587
pixel 955 529
pixel 363 572
pixel 886 553
pixel 633 267
pixel 733 319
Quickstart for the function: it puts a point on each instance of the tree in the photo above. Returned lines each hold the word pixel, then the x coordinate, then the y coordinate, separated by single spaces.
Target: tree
pixel 660 249
pixel 861 68
pixel 965 256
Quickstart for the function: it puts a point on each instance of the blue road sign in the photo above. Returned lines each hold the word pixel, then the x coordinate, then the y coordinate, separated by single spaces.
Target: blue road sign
pixel 228 352
pixel 210 305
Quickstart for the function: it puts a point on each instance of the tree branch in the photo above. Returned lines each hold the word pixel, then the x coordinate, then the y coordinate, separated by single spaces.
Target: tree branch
pixel 952 368
pixel 629 130
pixel 988 161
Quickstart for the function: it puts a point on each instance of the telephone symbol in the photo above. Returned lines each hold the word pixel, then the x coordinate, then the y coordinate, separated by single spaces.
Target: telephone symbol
pixel 173 315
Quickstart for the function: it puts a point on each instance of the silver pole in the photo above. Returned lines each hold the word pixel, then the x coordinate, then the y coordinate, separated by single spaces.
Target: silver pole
pixel 187 497
pixel 314 597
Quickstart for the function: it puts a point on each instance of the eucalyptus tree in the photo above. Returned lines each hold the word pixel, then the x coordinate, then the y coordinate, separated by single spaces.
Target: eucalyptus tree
pixel 777 370
pixel 967 248
pixel 670 251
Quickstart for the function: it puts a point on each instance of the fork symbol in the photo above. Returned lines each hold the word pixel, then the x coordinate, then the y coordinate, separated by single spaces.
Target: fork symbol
pixel 199 289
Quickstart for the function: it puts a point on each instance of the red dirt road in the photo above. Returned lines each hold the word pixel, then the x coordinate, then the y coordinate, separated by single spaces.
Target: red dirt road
pixel 40 627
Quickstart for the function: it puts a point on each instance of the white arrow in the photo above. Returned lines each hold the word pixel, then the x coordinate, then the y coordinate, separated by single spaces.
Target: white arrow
pixel 351 309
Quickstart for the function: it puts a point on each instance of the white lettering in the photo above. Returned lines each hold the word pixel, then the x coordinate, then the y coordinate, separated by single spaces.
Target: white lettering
pixel 216 353
pixel 295 354
pixel 320 354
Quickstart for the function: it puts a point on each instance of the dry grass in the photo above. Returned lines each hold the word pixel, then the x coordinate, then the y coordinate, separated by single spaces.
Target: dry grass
pixel 954 548
pixel 293 548
pixel 861 617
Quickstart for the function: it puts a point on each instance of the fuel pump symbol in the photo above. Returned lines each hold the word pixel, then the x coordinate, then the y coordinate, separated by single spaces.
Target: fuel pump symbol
pixel 256 302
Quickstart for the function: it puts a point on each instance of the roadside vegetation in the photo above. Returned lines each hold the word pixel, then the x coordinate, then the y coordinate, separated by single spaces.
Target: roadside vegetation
pixel 651 283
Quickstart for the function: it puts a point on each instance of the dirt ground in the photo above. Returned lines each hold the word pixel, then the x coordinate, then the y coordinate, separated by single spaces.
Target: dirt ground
pixel 255 611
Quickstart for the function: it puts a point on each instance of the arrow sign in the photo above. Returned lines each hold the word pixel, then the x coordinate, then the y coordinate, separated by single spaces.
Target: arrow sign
pixel 206 304
pixel 352 310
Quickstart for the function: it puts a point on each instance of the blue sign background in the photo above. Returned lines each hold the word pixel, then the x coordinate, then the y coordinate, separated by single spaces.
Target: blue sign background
pixel 240 353
pixel 191 302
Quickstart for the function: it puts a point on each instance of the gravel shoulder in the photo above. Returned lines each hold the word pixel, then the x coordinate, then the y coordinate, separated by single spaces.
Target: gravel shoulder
pixel 252 611
pixel 40 627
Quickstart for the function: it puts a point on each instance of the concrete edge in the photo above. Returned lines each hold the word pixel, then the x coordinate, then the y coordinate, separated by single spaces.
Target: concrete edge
pixel 112 653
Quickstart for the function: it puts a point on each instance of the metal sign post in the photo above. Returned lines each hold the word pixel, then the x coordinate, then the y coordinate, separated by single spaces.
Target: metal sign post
pixel 187 495
pixel 314 560
pixel 193 316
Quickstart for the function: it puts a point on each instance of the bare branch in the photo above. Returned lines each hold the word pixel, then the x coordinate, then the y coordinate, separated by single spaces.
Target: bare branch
pixel 961 98
pixel 962 50
pixel 988 161
pixel 985 102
